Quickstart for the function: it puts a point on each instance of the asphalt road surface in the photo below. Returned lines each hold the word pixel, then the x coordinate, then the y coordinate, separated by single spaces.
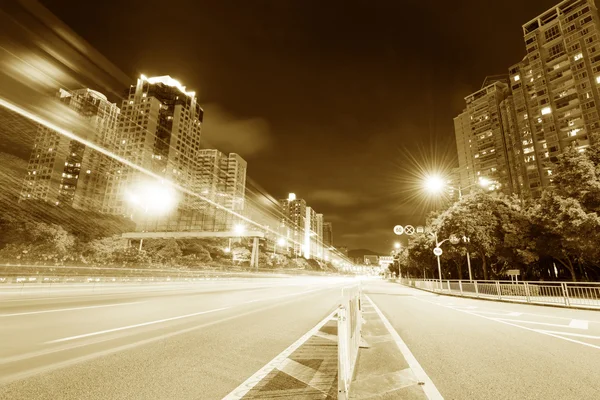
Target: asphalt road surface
pixel 178 341
pixel 476 349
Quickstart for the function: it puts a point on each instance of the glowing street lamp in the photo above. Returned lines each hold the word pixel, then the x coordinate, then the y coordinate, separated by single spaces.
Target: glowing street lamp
pixel 397 245
pixel 239 229
pixel 154 197
pixel 280 242
pixel 434 184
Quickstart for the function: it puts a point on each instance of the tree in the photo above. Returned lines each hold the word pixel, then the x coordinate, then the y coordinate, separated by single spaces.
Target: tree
pixel 496 226
pixel 566 232
pixel 420 255
pixel 576 176
pixel 162 251
pixel 104 251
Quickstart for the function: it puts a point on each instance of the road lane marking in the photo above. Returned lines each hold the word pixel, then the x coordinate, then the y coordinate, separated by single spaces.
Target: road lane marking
pixel 177 317
pixel 429 388
pixel 67 309
pixel 123 328
pixel 251 382
pixel 541 323
pixel 542 332
pixel 570 334
pixel 504 314
pixel 578 323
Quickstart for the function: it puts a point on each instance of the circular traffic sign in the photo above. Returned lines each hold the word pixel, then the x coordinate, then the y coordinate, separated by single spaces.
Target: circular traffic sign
pixel 398 230
pixel 409 229
pixel 454 239
pixel 437 251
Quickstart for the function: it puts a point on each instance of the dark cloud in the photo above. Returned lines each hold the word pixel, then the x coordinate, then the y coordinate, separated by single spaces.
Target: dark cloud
pixel 224 131
pixel 337 198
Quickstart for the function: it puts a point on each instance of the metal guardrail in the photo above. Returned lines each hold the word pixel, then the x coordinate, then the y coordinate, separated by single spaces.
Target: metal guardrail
pixel 349 328
pixel 566 294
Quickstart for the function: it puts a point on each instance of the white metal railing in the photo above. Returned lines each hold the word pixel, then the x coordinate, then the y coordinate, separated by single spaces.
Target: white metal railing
pixel 349 327
pixel 568 294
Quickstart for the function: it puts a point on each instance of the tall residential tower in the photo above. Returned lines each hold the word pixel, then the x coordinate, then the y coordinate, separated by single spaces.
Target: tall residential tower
pixel 65 171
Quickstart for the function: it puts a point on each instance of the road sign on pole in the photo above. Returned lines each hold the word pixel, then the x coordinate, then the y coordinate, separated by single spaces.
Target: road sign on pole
pixel 409 230
pixel 398 230
pixel 437 251
pixel 420 229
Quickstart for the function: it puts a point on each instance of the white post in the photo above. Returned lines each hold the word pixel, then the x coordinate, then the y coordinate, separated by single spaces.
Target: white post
pixel 141 243
pixel 469 264
pixel 438 262
pixel 565 294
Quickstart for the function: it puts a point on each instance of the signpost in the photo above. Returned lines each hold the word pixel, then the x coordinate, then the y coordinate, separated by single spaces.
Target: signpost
pixel 437 251
pixel 398 230
pixel 514 273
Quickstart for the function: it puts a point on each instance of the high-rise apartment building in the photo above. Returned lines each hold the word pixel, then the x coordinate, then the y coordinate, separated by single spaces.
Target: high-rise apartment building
pixel 488 137
pixel 563 51
pixel 159 131
pixel 294 209
pixel 327 234
pixel 464 147
pixel 532 159
pixel 222 181
pixel 293 217
pixel 310 234
pixel 319 227
pixel 65 171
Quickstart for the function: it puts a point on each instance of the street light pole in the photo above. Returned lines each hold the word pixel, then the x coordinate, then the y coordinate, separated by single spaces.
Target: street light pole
pixel 469 264
pixel 438 261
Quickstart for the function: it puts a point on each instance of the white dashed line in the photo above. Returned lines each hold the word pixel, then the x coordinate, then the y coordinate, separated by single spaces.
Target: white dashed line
pixel 579 324
pixel 539 323
pixel 67 309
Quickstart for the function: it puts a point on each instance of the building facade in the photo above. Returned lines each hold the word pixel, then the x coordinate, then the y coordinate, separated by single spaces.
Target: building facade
pixel 327 234
pixel 464 147
pixel 223 183
pixel 159 132
pixel 563 52
pixel 65 171
pixel 491 161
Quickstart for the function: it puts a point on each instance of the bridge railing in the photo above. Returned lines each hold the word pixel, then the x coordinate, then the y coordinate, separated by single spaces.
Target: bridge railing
pixel 349 328
pixel 567 294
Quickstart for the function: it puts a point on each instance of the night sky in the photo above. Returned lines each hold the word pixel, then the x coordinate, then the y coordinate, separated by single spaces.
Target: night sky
pixel 333 100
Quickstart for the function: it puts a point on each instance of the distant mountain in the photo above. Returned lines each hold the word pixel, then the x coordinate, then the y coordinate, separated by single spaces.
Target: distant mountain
pixel 360 253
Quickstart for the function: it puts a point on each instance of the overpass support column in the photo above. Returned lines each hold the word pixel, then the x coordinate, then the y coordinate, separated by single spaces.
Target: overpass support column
pixel 254 256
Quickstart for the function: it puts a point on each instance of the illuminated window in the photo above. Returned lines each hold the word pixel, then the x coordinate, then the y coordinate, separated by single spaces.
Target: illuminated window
pixel 546 110
pixel 88 172
pixel 517 78
pixel 578 56
pixel 598 79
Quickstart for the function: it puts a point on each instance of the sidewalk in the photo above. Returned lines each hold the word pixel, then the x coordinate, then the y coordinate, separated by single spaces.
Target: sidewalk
pixel 382 371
